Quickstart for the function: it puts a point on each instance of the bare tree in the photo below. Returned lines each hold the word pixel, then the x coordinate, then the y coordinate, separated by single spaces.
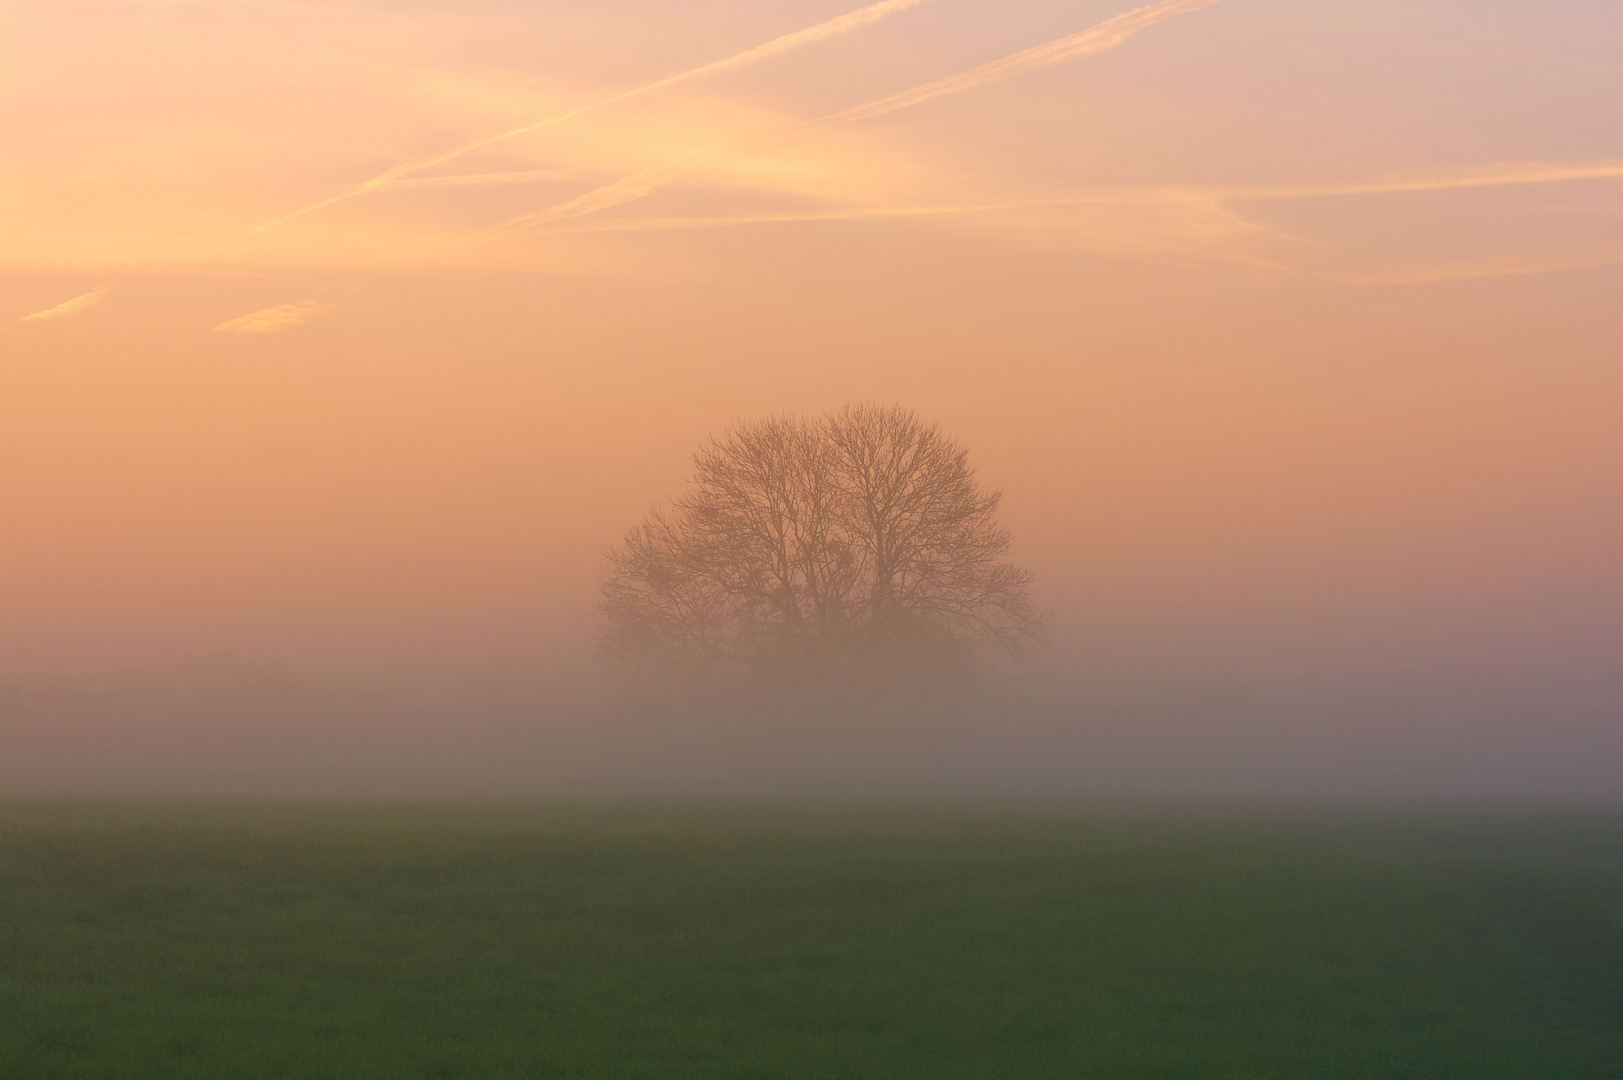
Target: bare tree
pixel 860 536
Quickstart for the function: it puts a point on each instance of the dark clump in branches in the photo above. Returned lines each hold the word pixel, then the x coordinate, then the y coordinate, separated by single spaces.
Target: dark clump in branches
pixel 856 541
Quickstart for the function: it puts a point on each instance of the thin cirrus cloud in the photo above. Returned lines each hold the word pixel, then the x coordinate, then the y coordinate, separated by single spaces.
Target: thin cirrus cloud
pixel 1099 38
pixel 823 31
pixel 70 307
pixel 274 319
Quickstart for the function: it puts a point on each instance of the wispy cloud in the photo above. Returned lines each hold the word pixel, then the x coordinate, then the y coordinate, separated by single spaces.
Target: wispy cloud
pixel 274 319
pixel 823 31
pixel 1157 221
pixel 1138 223
pixel 1493 266
pixel 843 24
pixel 858 213
pixel 1498 174
pixel 1478 176
pixel 1106 35
pixel 534 176
pixel 69 307
pixel 621 191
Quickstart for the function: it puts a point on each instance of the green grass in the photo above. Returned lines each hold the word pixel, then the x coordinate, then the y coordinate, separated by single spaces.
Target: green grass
pixel 758 941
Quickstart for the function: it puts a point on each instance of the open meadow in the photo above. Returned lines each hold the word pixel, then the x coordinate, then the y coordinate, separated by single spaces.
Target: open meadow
pixel 754 940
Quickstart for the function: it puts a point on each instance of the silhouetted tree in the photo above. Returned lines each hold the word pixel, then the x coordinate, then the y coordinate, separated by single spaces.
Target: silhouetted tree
pixel 857 539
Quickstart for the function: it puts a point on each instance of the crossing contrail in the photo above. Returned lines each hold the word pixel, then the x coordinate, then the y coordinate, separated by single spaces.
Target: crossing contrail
pixel 842 24
pixel 623 190
pixel 1106 35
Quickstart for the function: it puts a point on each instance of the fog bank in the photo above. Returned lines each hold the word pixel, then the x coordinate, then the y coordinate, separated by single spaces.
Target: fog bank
pixel 229 728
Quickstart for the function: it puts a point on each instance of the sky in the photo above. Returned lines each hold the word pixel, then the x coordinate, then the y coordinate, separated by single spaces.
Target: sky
pixel 339 341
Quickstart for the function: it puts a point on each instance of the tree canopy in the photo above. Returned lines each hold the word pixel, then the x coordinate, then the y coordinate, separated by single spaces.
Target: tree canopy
pixel 857 538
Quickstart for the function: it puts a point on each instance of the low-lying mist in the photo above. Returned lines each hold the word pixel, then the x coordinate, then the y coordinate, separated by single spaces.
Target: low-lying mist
pixel 233 727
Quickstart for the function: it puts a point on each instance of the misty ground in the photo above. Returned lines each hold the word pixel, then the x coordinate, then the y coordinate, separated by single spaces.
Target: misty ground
pixel 734 939
pixel 233 729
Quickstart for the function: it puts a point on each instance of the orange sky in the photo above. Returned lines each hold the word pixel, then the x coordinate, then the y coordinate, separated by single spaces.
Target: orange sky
pixel 1291 329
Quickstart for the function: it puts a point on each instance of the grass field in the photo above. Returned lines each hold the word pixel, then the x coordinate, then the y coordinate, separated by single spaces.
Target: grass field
pixel 770 941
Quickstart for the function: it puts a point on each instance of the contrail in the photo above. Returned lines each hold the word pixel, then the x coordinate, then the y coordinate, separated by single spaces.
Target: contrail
pixel 621 191
pixel 1493 267
pixel 858 213
pixel 1106 35
pixel 271 320
pixel 1500 174
pixel 842 24
pixel 482 179
pixel 69 307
